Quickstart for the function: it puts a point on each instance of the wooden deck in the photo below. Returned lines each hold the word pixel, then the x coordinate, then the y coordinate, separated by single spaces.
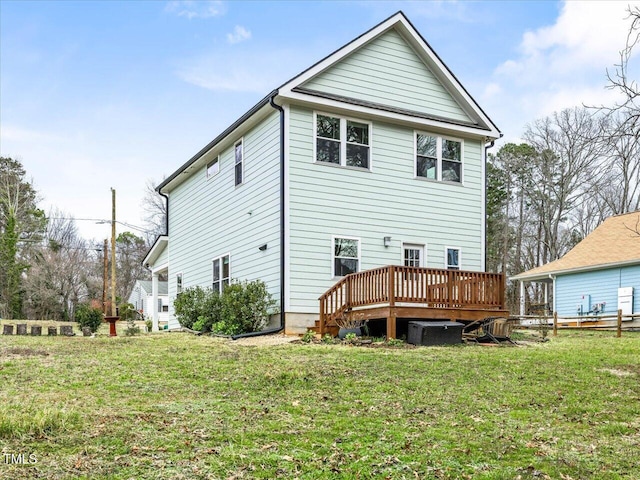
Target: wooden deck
pixel 398 293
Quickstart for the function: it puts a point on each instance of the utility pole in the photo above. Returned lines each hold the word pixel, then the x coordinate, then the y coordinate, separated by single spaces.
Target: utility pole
pixel 113 253
pixel 105 251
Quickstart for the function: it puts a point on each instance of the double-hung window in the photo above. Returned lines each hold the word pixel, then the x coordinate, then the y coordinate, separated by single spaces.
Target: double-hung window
pixel 346 256
pixel 438 158
pixel 178 284
pixel 221 273
pixel 239 156
pixel 342 142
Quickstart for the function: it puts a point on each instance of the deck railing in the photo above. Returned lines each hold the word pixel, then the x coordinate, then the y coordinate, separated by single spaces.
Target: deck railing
pixel 434 288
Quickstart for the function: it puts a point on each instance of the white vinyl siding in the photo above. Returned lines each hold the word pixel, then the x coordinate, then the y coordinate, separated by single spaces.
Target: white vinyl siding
pixel 389 72
pixel 325 202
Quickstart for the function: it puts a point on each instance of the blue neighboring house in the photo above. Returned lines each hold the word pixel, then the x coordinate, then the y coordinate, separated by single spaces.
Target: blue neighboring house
pixel 600 275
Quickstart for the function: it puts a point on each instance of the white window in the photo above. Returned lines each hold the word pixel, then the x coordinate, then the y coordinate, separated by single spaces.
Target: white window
pixel 412 255
pixel 438 158
pixel 160 305
pixel 452 258
pixel 346 256
pixel 221 273
pixel 342 141
pixel 213 167
pixel 239 156
pixel 178 283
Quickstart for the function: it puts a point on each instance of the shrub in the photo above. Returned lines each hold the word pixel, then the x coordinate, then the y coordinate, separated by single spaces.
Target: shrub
pixel 127 311
pixel 190 305
pixel 87 316
pixel 308 336
pixel 243 307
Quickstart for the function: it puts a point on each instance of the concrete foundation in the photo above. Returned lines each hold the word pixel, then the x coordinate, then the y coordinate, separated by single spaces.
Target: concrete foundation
pixel 299 323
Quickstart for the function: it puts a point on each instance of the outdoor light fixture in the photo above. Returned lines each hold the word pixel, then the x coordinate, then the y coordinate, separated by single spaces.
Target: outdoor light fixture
pixel 262 248
pixel 387 241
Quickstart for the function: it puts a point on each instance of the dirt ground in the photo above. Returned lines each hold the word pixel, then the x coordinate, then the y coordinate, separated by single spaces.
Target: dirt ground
pixel 266 340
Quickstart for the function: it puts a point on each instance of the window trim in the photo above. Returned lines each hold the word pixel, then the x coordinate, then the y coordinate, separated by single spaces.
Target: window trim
pixel 343 141
pixel 209 164
pixel 333 251
pixel 415 246
pixel 236 163
pixel 179 285
pixel 221 257
pixel 446 258
pixel 439 144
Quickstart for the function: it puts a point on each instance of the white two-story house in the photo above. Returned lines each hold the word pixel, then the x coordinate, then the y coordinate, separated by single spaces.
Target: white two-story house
pixel 373 156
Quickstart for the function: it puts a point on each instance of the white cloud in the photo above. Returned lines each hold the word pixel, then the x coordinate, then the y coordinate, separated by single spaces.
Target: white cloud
pixel 18 134
pixel 240 34
pixel 196 9
pixel 559 66
pixel 244 70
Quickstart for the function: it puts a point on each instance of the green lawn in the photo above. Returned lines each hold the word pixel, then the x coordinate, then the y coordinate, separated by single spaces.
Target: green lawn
pixel 179 406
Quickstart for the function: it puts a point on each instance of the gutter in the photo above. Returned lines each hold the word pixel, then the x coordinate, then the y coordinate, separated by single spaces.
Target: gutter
pixel 282 230
pixel 218 139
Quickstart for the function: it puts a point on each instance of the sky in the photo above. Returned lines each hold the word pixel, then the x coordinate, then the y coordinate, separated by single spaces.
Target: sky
pixel 97 95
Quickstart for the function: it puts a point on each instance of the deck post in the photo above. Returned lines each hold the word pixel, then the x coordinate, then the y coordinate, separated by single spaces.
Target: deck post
pixel 391 319
pixel 391 323
pixel 555 324
pixel 323 303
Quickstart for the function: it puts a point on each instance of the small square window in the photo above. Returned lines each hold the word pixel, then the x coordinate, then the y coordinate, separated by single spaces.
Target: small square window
pixel 213 167
pixel 453 258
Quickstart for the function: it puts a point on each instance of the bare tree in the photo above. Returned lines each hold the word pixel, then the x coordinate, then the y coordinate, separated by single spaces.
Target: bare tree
pixel 619 79
pixel 566 172
pixel 62 271
pixel 155 212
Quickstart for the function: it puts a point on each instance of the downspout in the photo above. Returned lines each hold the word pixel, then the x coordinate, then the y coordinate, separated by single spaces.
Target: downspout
pixel 166 217
pixel 486 155
pixel 282 231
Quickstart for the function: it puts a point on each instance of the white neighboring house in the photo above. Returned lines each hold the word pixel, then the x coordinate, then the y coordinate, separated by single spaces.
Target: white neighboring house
pixel 142 299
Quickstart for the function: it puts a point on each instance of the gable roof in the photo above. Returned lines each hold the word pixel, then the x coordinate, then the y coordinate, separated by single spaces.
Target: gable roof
pixel 615 242
pixel 294 89
pixel 155 251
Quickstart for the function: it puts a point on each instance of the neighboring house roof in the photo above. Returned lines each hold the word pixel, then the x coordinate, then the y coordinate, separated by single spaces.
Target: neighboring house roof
pixel 155 251
pixel 615 242
pixel 163 287
pixel 296 89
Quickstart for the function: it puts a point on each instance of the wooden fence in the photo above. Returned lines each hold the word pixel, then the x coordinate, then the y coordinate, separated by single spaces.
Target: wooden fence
pixel 617 322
